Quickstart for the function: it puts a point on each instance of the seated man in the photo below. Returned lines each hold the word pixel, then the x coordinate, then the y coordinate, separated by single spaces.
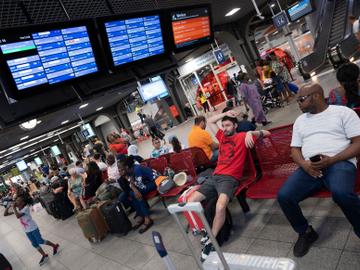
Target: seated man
pixel 229 169
pixel 199 137
pixel 325 142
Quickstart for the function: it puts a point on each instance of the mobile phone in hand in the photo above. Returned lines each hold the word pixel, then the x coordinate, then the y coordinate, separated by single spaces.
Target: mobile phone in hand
pixel 316 158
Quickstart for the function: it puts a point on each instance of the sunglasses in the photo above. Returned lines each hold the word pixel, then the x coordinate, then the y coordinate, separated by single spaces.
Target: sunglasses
pixel 301 99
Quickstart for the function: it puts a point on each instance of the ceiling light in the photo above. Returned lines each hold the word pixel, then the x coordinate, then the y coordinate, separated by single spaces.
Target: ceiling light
pixel 28 125
pixel 352 59
pixel 312 74
pixel 272 5
pixel 32 150
pixel 99 109
pixel 65 122
pixel 189 60
pixel 83 106
pixel 39 121
pixel 56 140
pixel 24 138
pixel 232 12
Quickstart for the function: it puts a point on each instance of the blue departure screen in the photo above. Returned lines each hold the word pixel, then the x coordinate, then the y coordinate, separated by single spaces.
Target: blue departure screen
pixel 49 57
pixel 134 39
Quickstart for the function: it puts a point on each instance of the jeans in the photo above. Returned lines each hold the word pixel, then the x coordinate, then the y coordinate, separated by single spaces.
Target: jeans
pixel 141 206
pixel 339 179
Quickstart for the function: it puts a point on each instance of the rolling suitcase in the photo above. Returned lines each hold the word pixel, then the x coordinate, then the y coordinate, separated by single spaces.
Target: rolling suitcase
pixel 115 217
pixel 92 225
pixel 46 199
pixel 61 207
pixel 4 263
pixel 192 218
pixel 218 260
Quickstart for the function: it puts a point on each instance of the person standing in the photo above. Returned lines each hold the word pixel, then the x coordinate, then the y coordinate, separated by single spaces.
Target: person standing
pixel 22 212
pixel 203 101
pixel 252 97
pixel 325 144
pixel 279 68
pixel 153 129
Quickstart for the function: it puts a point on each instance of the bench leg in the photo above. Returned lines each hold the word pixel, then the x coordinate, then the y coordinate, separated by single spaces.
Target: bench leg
pixel 242 201
pixel 163 202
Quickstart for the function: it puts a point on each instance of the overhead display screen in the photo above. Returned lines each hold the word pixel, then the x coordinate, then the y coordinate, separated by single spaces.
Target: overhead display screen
pixel 156 88
pixel 48 57
pixel 191 27
pixel 134 39
pixel 300 9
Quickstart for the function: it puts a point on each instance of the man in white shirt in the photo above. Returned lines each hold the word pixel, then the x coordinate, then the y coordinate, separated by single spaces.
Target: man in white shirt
pixel 325 143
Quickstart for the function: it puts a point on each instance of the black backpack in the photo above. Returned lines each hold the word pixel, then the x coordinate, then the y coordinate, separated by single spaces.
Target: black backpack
pixel 225 231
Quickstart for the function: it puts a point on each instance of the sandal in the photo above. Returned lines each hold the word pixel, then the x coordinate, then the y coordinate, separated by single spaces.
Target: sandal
pixel 138 224
pixel 146 227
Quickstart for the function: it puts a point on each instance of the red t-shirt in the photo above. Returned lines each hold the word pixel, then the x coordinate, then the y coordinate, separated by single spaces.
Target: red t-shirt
pixel 232 154
pixel 119 148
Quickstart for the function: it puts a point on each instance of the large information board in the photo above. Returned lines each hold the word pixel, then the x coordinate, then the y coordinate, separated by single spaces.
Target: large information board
pixel 134 39
pixel 191 27
pixel 299 10
pixel 48 57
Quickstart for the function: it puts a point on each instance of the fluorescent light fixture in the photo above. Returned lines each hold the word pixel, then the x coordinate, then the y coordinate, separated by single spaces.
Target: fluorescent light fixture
pixel 84 106
pixel 189 60
pixel 313 73
pixel 272 5
pixel 32 150
pixel 28 125
pixel 99 109
pixel 65 122
pixel 24 138
pixel 232 12
pixel 352 59
pixel 39 121
pixel 56 140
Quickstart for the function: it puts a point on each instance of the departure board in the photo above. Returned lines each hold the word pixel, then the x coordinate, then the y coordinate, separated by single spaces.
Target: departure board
pixel 48 57
pixel 134 39
pixel 191 27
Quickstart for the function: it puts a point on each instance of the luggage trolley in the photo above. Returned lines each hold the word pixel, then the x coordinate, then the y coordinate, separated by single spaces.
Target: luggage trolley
pixel 217 260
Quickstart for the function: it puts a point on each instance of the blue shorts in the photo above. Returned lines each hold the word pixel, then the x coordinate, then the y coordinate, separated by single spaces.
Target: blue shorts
pixel 35 238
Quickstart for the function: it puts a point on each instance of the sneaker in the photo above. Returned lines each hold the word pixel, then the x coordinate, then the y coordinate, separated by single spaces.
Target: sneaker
pixel 304 242
pixel 204 238
pixel 56 249
pixel 206 250
pixel 44 259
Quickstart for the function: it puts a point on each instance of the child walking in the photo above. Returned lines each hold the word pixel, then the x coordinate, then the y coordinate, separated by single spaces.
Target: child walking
pixel 22 212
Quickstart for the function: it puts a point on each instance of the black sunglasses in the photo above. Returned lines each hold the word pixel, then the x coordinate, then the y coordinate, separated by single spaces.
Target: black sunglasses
pixel 301 99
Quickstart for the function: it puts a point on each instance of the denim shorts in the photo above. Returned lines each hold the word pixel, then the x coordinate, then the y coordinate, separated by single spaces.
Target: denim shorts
pixel 35 238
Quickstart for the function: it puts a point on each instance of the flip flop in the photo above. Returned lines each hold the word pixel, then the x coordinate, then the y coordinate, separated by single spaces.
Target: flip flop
pixel 137 225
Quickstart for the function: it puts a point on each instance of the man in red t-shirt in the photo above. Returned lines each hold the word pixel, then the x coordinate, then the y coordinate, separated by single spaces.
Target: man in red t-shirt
pixel 229 169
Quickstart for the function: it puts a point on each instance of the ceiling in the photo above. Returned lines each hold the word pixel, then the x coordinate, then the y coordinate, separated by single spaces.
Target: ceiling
pixel 47 11
pixel 51 125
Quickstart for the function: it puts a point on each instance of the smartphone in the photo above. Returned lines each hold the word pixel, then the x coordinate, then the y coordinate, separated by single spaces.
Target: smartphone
pixel 316 158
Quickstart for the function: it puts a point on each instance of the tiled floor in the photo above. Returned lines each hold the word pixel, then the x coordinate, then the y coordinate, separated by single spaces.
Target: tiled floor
pixel 263 231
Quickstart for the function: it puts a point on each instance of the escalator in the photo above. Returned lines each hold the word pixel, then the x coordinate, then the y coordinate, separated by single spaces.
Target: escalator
pixel 330 31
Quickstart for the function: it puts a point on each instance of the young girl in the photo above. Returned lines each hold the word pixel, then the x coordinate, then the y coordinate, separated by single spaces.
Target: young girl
pixel 22 212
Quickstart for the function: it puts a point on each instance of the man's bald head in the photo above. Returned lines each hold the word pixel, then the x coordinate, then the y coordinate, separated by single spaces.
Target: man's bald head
pixel 309 89
pixel 311 98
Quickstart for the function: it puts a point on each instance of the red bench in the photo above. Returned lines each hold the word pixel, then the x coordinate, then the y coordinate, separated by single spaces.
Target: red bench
pixel 200 159
pixel 274 158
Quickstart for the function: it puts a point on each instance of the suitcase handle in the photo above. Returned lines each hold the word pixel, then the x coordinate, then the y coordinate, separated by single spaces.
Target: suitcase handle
pixel 174 209
pixel 185 207
pixel 159 245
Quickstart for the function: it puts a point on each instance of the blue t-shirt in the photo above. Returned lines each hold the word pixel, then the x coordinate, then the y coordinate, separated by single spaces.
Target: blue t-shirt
pixel 143 175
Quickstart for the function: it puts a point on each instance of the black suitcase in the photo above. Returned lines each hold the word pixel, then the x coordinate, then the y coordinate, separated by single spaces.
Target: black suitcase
pixel 46 199
pixel 116 218
pixel 4 263
pixel 225 231
pixel 61 207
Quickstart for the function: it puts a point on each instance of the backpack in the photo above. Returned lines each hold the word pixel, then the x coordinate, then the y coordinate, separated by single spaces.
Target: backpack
pixel 224 233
